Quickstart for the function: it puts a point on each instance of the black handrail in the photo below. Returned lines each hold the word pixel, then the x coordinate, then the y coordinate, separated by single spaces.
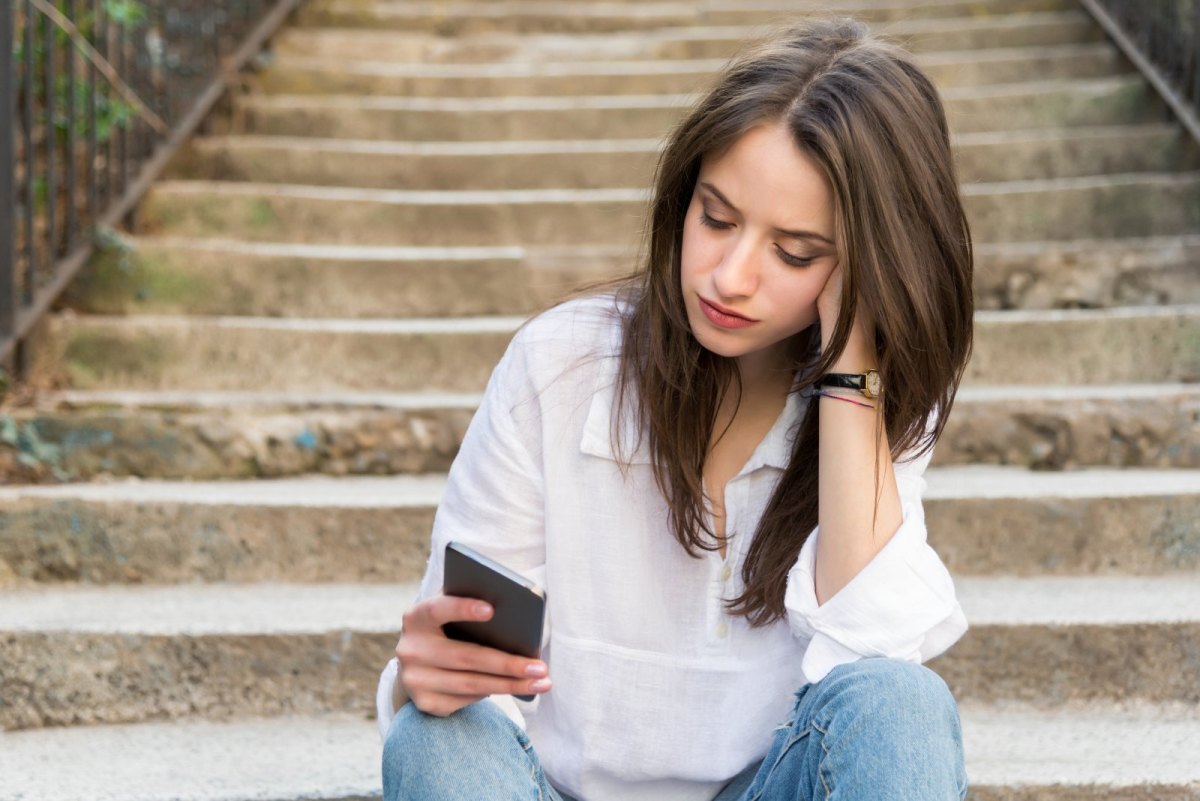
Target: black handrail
pixel 1162 39
pixel 97 95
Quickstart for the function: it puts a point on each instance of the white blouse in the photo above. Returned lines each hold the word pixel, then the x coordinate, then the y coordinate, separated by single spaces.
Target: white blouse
pixel 657 693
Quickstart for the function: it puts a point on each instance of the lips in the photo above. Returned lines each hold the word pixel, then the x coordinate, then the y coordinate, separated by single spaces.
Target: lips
pixel 722 317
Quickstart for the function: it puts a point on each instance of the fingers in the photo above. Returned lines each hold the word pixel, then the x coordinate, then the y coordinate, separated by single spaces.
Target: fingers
pixel 441 609
pixel 439 665
pixel 426 683
pixel 443 652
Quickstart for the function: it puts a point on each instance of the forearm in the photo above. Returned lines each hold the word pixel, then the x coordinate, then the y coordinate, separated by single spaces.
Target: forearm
pixel 850 448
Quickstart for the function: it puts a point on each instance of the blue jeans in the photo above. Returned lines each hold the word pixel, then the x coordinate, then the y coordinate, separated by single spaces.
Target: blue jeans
pixel 872 730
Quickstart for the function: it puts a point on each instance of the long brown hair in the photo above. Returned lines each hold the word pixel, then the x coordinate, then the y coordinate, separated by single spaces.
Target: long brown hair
pixel 870 118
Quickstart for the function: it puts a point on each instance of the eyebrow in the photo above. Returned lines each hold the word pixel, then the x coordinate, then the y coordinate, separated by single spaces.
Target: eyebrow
pixel 793 234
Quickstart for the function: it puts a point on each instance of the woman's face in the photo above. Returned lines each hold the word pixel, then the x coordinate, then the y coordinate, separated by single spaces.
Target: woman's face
pixel 758 246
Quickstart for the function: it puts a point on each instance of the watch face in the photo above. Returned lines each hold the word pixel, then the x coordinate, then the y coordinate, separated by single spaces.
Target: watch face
pixel 874 383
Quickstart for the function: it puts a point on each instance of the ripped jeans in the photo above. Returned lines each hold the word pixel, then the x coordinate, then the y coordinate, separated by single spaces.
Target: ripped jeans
pixel 872 730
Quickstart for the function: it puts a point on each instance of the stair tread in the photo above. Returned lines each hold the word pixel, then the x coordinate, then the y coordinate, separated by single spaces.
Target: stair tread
pixel 404 491
pixel 337 756
pixel 175 399
pixel 289 608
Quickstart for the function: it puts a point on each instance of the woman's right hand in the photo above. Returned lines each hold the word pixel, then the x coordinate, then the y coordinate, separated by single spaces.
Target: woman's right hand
pixel 442 675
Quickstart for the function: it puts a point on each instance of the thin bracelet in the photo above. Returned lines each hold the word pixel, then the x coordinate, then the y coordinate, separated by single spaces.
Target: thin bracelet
pixel 839 397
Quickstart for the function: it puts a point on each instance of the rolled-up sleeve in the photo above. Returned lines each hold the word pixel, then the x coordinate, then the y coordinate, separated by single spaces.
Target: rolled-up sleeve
pixel 902 604
pixel 493 501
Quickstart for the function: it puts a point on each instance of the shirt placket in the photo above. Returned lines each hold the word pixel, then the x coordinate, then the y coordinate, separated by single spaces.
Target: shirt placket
pixel 723 571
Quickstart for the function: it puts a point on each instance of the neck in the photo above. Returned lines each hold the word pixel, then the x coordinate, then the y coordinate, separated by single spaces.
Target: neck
pixel 766 375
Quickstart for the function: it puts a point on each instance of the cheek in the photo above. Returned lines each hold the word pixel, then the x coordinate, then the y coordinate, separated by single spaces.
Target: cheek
pixel 698 252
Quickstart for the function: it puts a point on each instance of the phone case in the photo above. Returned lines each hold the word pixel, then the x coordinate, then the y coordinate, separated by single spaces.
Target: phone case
pixel 519 604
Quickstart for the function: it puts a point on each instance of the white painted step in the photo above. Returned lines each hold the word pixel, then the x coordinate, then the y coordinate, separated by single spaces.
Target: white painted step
pixel 408 491
pixel 156 399
pixel 338 756
pixel 276 608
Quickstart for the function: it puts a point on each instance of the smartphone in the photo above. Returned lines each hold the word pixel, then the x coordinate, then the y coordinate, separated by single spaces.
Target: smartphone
pixel 518 604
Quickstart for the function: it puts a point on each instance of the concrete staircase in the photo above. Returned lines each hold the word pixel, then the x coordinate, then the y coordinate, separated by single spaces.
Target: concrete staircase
pixel 316 296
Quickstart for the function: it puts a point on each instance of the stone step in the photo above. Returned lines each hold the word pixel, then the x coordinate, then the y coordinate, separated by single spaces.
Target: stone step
pixel 1101 752
pixel 116 654
pixel 1117 100
pixel 147 275
pixel 98 435
pixel 214 435
pixel 544 16
pixel 205 276
pixel 1131 345
pixel 1023 29
pixel 309 75
pixel 1109 206
pixel 608 163
pixel 982 520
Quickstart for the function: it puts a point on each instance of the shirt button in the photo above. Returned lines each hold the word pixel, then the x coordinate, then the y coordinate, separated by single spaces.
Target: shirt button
pixel 722 629
pixel 726 573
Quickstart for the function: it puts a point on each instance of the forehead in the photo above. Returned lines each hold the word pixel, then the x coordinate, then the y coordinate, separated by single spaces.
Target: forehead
pixel 766 176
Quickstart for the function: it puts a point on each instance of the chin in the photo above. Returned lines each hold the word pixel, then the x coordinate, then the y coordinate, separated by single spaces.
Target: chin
pixel 727 345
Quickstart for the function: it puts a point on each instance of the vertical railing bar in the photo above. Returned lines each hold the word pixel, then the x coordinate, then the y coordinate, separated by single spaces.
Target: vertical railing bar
pixel 93 200
pixel 8 241
pixel 122 67
pixel 72 178
pixel 50 135
pixel 104 39
pixel 30 87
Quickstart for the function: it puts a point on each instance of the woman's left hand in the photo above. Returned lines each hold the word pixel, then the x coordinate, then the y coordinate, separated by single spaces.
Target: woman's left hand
pixel 829 304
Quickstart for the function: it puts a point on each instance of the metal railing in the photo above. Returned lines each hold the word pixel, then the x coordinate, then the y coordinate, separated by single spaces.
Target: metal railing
pixel 1162 39
pixel 97 95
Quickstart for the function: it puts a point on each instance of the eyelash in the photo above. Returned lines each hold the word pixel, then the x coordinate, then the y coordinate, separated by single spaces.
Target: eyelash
pixel 788 258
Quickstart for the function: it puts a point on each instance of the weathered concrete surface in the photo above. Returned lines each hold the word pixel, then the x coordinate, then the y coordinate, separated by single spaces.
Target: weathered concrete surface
pixel 981 520
pixel 986 520
pixel 1089 273
pixel 1046 104
pixel 365 76
pixel 1048 29
pixel 1096 753
pixel 1067 427
pixel 1123 345
pixel 274 354
pixel 164 275
pixel 1133 205
pixel 1058 640
pixel 210 277
pixel 594 163
pixel 223 651
pixel 229 435
pixel 300 530
pixel 458 19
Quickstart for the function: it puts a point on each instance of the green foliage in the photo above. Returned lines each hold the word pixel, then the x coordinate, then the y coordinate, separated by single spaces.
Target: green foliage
pixel 112 112
pixel 107 242
pixel 127 13
pixel 32 451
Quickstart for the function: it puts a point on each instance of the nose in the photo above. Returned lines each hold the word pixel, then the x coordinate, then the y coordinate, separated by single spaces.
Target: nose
pixel 737 274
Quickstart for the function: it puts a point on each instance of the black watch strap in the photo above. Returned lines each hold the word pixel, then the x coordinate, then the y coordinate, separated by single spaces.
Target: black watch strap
pixel 843 380
pixel 867 383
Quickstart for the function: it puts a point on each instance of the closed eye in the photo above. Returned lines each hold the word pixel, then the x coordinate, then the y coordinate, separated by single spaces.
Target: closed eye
pixel 788 258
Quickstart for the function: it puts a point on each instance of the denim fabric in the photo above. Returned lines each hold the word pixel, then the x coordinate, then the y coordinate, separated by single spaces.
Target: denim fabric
pixel 872 730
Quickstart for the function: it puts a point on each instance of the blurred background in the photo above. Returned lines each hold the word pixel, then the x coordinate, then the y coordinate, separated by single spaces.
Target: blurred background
pixel 258 258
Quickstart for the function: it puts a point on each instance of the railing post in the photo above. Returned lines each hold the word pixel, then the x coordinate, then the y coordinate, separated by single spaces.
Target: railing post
pixel 8 254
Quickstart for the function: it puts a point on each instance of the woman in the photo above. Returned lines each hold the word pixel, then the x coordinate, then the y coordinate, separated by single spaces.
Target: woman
pixel 715 469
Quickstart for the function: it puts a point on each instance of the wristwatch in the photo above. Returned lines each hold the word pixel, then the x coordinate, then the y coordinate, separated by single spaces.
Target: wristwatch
pixel 868 383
